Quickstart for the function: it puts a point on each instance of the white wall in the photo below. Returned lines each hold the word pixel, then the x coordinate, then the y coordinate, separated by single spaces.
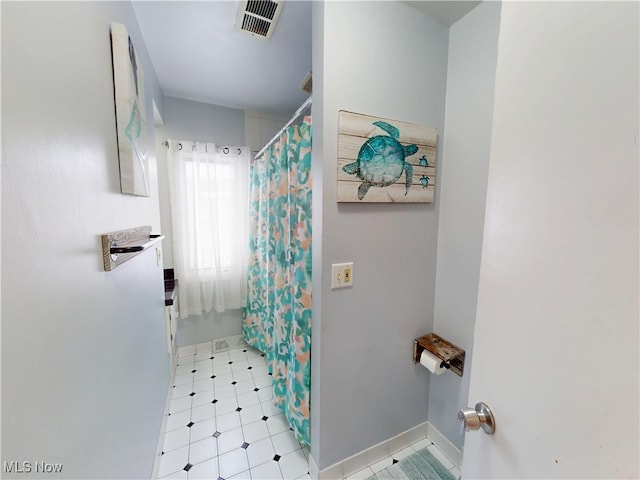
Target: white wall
pixel 557 331
pixel 188 120
pixel 392 63
pixel 473 51
pixel 261 127
pixel 84 362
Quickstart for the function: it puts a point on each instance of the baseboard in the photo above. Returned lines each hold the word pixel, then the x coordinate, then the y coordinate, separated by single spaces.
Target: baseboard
pixel 165 417
pixel 448 448
pixel 373 454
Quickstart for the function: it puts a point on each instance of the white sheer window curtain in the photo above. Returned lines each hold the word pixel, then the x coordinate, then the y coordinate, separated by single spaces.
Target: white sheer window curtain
pixel 208 186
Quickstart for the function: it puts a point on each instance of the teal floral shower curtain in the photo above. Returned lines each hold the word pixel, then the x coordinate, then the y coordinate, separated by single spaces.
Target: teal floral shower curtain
pixel 277 318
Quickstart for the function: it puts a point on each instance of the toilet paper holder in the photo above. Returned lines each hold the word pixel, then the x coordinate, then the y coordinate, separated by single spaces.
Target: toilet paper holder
pixel 451 355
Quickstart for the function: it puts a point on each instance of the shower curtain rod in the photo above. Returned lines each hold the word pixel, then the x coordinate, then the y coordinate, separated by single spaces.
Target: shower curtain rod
pixel 225 150
pixel 296 115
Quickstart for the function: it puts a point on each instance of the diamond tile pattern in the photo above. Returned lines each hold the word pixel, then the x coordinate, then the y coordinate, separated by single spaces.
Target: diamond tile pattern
pixel 222 422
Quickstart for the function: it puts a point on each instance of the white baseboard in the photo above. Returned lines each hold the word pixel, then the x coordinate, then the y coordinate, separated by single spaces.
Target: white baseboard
pixel 445 446
pixel 165 417
pixel 373 454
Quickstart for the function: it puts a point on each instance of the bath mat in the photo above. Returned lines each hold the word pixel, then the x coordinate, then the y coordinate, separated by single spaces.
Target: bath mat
pixel 421 465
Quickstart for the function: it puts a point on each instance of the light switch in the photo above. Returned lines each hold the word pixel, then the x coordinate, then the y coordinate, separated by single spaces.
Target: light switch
pixel 341 275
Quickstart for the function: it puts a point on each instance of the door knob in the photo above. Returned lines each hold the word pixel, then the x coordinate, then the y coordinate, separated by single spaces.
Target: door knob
pixel 476 418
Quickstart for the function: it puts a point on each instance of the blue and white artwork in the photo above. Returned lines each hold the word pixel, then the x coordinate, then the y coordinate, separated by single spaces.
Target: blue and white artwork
pixel 383 160
pixel 128 82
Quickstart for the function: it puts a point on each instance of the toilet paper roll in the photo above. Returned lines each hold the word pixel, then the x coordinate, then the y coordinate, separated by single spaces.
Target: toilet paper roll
pixel 431 363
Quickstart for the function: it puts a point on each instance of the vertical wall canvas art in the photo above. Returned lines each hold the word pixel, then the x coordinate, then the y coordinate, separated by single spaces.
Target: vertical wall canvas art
pixel 128 83
pixel 381 160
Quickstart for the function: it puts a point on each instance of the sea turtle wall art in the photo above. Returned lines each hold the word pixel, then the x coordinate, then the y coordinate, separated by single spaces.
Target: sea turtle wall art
pixel 382 160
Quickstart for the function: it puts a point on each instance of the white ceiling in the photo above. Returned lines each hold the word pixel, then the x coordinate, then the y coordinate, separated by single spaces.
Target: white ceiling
pixel 198 55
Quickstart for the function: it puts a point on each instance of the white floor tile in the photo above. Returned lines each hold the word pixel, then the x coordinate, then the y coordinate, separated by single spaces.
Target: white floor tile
pixel 382 464
pixel 239 365
pixel 285 442
pixel 222 369
pixel 362 474
pixel 242 375
pixel 228 421
pixel 233 462
pixel 248 399
pixel 251 414
pixel 181 391
pixel 255 431
pixel 203 374
pixel 226 405
pixel 263 381
pixel 223 392
pixel 183 379
pixel 222 455
pixel 420 444
pixel 201 398
pixel 244 386
pixel 260 452
pixel 205 386
pixel 237 355
pixel 180 404
pixel 442 458
pixel 257 362
pixel 205 470
pixel 230 440
pixel 220 358
pixel 203 450
pixel 294 464
pixel 181 475
pixel 203 429
pixel 404 453
pixel 173 461
pixel 267 471
pixel 222 380
pixel 270 409
pixel 178 420
pixel 203 364
pixel 176 439
pixel 277 424
pixel 203 356
pixel 203 412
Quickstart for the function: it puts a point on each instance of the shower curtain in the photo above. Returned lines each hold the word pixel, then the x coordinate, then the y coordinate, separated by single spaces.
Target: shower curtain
pixel 277 318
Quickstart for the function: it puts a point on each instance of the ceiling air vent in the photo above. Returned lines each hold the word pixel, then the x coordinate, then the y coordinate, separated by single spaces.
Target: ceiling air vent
pixel 258 17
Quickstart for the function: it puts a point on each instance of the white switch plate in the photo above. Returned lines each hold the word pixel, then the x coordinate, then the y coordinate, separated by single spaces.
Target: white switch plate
pixel 341 275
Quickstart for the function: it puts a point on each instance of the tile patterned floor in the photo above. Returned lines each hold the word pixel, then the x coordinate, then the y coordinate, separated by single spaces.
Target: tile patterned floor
pixel 222 423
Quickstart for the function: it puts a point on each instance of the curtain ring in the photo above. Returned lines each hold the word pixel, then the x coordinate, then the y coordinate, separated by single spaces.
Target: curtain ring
pixel 239 151
pixel 179 146
pixel 225 150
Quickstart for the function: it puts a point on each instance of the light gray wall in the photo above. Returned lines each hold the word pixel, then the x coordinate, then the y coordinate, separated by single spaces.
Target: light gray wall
pixel 391 62
pixel 84 362
pixel 473 52
pixel 188 120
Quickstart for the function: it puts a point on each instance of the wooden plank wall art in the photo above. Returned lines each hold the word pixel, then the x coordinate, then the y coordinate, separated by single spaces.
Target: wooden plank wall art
pixel 128 82
pixel 381 160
